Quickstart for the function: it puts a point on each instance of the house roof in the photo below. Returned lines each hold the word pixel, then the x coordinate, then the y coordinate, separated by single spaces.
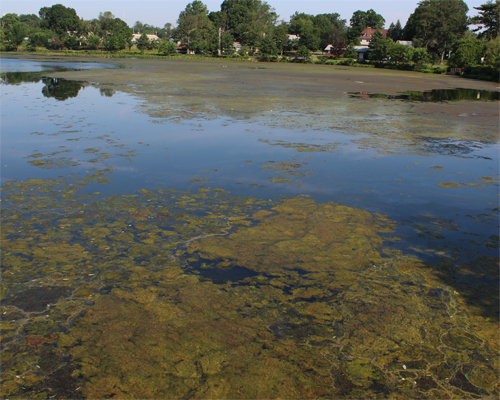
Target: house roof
pixel 368 33
pixel 136 37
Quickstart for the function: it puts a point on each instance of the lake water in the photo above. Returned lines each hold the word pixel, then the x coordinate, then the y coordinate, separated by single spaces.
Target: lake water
pixel 226 258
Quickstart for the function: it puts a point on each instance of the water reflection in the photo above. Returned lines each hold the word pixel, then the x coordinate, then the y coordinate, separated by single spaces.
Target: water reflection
pixel 61 89
pixel 16 78
pixel 58 88
pixel 434 95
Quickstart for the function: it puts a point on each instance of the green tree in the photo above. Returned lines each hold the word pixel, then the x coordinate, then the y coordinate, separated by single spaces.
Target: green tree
pixel 59 19
pixel 350 52
pixel 395 31
pixel 488 19
pixel 267 47
pixel 115 41
pixel 380 46
pixel 438 24
pixel 309 36
pixel 142 43
pixel 31 21
pixel 15 35
pixel 167 48
pixel 401 53
pixel 249 20
pixel 492 53
pixel 420 56
pixel 8 20
pixel 304 52
pixel 71 42
pixel 38 39
pixel 331 29
pixel 194 27
pixel 361 20
pixel 466 52
pixel 280 36
pixel 167 29
pixel 94 41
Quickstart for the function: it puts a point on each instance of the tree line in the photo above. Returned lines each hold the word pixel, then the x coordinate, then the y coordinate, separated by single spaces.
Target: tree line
pixel 436 27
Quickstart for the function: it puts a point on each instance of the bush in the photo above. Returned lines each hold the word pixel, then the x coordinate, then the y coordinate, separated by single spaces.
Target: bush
pixel 482 72
pixel 439 70
pixel 466 52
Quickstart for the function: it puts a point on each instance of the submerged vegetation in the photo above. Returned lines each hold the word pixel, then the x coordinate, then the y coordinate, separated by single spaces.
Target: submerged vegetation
pixel 182 289
pixel 111 297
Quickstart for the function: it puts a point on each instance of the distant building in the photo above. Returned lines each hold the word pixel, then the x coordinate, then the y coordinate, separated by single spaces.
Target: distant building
pixel 365 38
pixel 405 42
pixel 136 36
pixel 367 35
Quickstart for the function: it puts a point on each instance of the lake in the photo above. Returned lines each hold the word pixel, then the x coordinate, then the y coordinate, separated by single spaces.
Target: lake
pixel 218 229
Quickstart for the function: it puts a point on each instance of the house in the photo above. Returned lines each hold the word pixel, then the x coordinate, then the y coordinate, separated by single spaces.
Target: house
pixel 365 38
pixel 335 50
pixel 237 46
pixel 408 43
pixel 136 36
pixel 367 35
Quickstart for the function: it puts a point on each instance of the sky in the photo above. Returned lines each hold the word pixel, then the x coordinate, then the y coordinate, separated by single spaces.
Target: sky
pixel 158 13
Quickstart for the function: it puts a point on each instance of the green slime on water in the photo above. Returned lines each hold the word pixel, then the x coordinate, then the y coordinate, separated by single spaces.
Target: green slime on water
pixel 331 310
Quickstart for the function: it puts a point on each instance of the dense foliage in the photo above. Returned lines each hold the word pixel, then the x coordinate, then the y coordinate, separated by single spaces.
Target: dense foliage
pixel 438 30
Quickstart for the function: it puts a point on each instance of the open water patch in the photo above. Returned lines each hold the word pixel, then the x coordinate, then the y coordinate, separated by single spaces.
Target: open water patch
pixel 434 95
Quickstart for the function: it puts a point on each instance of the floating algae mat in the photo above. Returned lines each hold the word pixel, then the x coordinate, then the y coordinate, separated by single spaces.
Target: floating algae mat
pixel 178 229
pixel 329 310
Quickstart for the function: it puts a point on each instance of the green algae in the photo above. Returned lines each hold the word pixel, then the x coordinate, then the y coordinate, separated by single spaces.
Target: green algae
pixel 330 311
pixel 182 91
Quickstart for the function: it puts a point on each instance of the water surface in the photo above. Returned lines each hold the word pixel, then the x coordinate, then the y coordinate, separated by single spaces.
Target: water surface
pixel 224 257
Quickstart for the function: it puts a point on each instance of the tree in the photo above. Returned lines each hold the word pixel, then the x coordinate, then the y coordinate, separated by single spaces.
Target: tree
pixel 31 21
pixel 8 20
pixel 350 52
pixel 438 24
pixel 167 48
pixel 492 56
pixel 466 52
pixel 395 31
pixel 488 19
pixel 331 29
pixel 338 49
pixel 335 35
pixel 364 19
pixel 15 35
pixel 280 36
pixel 167 29
pixel 94 41
pixel 115 33
pixel 380 46
pixel 59 19
pixel 142 43
pixel 267 47
pixel 115 41
pixel 401 53
pixel 249 20
pixel 309 36
pixel 420 56
pixel 194 27
pixel 37 39
pixel 304 52
pixel 71 42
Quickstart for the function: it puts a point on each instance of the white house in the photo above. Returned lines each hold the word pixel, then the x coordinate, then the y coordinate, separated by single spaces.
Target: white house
pixel 136 36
